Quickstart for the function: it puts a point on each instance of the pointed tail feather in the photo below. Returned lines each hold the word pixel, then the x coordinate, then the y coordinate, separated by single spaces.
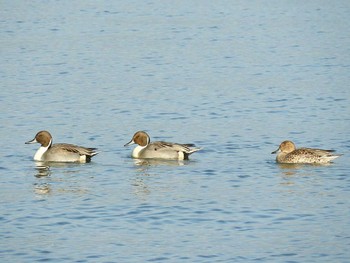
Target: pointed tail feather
pixel 195 149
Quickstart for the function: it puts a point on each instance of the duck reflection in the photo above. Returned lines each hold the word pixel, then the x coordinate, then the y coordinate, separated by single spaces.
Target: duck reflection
pixel 42 189
pixel 298 174
pixel 298 169
pixel 157 162
pixel 46 184
pixel 42 170
pixel 147 171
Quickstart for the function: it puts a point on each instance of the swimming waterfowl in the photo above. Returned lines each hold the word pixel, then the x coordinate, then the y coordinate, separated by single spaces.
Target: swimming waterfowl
pixel 159 149
pixel 60 152
pixel 288 153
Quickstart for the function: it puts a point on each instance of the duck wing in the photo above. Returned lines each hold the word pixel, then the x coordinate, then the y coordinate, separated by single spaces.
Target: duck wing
pixel 313 151
pixel 167 146
pixel 74 149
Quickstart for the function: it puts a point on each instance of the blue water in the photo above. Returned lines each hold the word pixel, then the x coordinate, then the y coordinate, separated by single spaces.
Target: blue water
pixel 234 77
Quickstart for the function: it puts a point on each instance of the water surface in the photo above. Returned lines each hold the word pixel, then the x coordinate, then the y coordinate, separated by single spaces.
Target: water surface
pixel 235 78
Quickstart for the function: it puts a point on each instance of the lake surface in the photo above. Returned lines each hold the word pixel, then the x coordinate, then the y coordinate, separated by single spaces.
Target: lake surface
pixel 234 77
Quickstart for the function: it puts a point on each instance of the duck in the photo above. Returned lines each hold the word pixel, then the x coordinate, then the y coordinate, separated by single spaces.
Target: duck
pixel 146 149
pixel 60 152
pixel 288 153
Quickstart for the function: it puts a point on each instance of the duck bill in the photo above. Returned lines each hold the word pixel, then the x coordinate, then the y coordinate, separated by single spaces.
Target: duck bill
pixel 129 143
pixel 275 151
pixel 32 141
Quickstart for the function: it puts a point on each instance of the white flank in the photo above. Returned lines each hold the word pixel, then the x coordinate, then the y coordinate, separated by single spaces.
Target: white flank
pixel 82 158
pixel 181 155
